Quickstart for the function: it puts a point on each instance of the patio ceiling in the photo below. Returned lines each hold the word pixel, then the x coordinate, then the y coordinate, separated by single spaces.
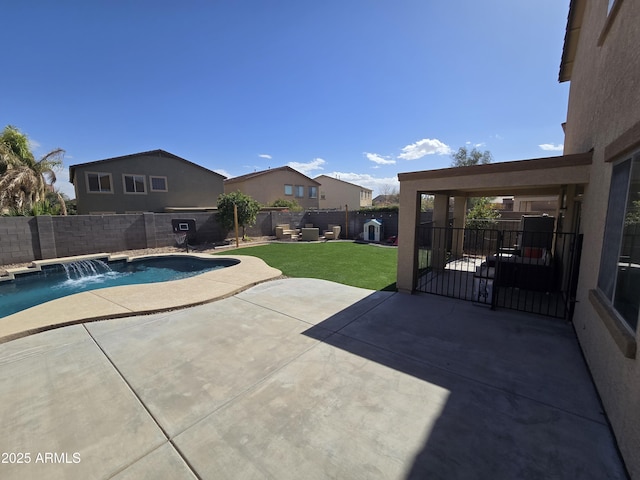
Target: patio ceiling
pixel 541 176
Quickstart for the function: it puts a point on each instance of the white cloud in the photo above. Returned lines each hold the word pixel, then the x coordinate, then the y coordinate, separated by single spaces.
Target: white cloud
pixel 264 155
pixel 551 147
pixel 34 144
pixel 223 172
pixel 308 167
pixel 421 148
pixel 379 159
pixel 365 180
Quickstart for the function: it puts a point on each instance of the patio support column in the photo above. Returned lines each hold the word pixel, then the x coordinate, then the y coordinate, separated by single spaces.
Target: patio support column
pixel 408 219
pixel 459 218
pixel 571 206
pixel 441 222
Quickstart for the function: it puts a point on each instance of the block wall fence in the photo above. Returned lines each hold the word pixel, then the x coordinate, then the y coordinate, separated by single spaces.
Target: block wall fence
pixel 24 239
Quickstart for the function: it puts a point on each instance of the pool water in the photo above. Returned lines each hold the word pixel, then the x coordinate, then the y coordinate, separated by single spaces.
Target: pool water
pixel 57 281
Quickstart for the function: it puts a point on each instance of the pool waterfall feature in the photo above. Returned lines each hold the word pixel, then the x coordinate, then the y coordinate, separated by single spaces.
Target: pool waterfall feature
pixel 86 269
pixel 53 279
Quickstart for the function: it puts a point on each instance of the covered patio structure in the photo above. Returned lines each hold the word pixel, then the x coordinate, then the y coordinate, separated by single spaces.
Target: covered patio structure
pixel 564 177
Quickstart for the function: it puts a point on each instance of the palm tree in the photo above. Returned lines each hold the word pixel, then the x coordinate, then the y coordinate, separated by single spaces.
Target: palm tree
pixel 14 147
pixel 24 181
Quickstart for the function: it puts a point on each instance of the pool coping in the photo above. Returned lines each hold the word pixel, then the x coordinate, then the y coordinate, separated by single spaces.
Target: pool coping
pixel 128 300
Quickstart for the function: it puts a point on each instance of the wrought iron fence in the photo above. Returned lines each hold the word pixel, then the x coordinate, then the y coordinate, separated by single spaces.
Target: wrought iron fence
pixel 528 271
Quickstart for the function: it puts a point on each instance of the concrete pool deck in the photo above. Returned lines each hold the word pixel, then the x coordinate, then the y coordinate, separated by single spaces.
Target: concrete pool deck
pixel 138 299
pixel 305 378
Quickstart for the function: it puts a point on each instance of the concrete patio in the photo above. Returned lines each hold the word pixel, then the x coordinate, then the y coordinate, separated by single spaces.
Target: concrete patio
pixel 306 379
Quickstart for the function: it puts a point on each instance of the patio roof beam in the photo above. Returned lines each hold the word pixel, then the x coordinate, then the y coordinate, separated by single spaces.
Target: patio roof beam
pixel 538 176
pixel 542 191
pixel 537 164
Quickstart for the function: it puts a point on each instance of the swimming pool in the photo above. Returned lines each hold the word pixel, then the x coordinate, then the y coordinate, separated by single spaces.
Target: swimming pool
pixel 60 280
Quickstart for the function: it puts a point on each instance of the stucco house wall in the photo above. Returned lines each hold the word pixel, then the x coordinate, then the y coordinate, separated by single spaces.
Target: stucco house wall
pixel 335 194
pixel 604 115
pixel 267 186
pixel 188 185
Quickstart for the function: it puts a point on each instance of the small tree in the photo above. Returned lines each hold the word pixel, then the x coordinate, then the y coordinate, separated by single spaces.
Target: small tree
pixel 482 215
pixel 463 157
pixel 248 210
pixel 390 194
pixel 426 202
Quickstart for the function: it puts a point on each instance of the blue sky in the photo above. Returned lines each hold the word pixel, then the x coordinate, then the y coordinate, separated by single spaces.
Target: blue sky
pixel 360 89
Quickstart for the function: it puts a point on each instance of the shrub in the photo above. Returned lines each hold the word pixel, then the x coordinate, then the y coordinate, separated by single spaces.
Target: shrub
pixel 291 205
pixel 482 215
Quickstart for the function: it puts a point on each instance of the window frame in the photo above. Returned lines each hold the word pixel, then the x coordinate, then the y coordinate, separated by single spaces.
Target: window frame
pixel 100 175
pixel 134 175
pixel 612 265
pixel 613 7
pixel 288 187
pixel 166 183
pixel 313 189
pixel 298 191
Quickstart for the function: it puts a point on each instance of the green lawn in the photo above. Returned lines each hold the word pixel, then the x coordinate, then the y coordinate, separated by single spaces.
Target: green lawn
pixel 360 265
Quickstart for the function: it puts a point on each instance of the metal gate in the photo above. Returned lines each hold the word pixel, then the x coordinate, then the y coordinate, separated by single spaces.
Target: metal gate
pixel 528 271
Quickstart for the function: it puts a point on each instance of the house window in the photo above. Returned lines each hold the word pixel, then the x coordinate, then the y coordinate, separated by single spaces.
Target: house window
pixel 619 276
pixel 158 184
pixel 299 191
pixel 134 184
pixel 288 189
pixel 99 183
pixel 313 192
pixel 613 7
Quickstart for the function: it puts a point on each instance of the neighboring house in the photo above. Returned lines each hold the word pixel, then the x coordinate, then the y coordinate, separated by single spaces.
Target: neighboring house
pixel 546 204
pixel 284 183
pixel 335 194
pixel 506 205
pixel 386 200
pixel 597 184
pixel 155 181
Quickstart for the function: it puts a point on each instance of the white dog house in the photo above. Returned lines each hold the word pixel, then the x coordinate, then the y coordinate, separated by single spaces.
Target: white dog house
pixel 372 230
